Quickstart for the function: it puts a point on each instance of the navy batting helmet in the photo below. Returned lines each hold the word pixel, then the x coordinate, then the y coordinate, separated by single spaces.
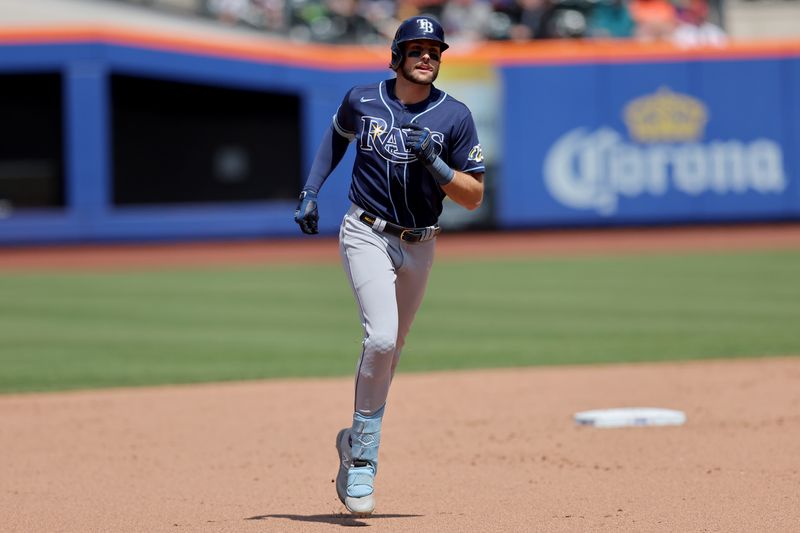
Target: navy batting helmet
pixel 412 29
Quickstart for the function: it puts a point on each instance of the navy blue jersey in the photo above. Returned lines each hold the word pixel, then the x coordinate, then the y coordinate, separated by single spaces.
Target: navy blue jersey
pixel 388 181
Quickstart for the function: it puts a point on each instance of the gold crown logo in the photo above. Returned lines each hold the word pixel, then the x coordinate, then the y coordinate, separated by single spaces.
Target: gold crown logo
pixel 665 117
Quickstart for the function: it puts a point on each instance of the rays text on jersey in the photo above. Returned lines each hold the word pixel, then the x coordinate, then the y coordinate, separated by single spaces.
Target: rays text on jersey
pixel 388 142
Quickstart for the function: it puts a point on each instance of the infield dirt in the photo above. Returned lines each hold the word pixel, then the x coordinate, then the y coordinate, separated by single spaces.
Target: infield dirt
pixel 489 450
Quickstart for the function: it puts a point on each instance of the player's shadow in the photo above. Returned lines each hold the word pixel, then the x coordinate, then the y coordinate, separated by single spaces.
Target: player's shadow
pixel 341 519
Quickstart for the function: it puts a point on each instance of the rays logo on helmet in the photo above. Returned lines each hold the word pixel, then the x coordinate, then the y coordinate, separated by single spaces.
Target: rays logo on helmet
pixel 476 154
pixel 425 25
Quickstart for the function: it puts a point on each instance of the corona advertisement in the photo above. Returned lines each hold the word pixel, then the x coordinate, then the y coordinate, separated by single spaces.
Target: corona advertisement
pixel 664 150
pixel 653 149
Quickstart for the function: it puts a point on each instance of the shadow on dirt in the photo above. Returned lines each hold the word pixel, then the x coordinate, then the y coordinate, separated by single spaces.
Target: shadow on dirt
pixel 342 519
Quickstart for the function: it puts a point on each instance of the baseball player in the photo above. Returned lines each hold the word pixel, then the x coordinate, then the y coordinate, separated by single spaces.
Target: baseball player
pixel 415 144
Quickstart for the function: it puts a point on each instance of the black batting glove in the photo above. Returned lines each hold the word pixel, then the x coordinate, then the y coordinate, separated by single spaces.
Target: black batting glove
pixel 306 214
pixel 420 142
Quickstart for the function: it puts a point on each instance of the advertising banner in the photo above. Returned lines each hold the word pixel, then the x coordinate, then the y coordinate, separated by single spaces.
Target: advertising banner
pixel 649 143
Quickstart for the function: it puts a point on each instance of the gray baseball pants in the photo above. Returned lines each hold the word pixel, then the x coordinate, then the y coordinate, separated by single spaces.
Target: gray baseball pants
pixel 388 277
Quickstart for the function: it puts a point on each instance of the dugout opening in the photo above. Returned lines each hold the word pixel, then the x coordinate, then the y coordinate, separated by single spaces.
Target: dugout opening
pixel 178 142
pixel 31 141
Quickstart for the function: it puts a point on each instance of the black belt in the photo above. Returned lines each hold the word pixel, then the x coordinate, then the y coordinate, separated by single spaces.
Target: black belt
pixel 404 234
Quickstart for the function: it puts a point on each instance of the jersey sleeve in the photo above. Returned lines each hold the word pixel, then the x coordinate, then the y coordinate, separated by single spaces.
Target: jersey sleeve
pixel 329 154
pixel 343 120
pixel 333 146
pixel 466 154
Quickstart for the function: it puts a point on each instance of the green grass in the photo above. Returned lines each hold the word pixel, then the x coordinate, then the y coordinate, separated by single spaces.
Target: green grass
pixel 68 330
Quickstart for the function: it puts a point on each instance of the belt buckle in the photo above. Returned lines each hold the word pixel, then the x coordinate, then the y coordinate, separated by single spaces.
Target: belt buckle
pixel 403 234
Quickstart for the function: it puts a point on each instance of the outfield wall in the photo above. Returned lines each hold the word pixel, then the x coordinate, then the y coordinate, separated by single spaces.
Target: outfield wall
pixel 119 135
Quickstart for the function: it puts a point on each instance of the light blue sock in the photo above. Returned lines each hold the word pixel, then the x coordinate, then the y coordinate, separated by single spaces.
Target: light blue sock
pixel 366 437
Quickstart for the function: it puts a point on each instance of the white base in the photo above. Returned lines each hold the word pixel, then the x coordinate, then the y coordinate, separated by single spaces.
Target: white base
pixel 630 417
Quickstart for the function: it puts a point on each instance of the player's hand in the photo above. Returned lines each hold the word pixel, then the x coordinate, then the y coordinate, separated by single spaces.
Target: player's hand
pixel 420 142
pixel 306 214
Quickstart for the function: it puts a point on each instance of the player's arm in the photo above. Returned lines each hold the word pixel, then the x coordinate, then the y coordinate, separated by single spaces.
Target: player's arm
pixel 329 154
pixel 465 189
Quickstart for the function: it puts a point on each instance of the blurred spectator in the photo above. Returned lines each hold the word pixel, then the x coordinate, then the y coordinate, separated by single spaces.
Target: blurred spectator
pixel 382 14
pixel 409 8
pixel 529 19
pixel 271 15
pixel 655 19
pixel 266 14
pixel 334 22
pixel 611 19
pixel 567 20
pixel 467 20
pixel 549 19
pixel 694 29
pixel 229 11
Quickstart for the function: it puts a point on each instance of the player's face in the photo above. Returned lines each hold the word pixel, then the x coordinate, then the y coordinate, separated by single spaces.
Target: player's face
pixel 421 63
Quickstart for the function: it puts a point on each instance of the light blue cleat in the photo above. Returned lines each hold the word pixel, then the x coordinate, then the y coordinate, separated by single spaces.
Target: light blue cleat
pixel 360 497
pixel 357 447
pixel 354 484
